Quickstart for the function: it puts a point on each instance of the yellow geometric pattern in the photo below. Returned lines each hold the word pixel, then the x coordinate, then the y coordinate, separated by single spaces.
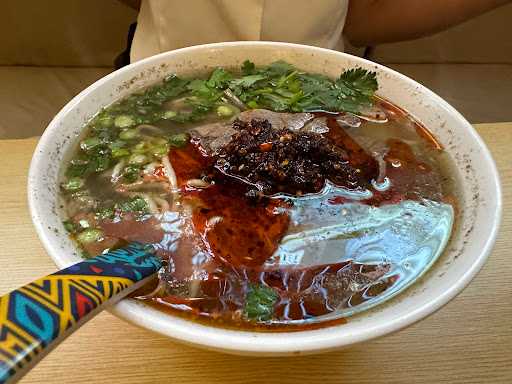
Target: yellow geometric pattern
pixel 62 305
pixel 37 314
pixel 16 338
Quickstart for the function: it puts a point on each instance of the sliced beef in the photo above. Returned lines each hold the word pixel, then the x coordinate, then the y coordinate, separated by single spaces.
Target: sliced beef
pixel 213 137
pixel 236 231
pixel 131 228
pixel 278 120
pixel 317 125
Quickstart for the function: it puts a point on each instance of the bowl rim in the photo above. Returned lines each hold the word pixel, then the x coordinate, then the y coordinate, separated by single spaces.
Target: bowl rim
pixel 250 342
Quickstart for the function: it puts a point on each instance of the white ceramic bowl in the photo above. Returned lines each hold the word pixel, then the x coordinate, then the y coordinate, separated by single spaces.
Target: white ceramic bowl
pixel 465 255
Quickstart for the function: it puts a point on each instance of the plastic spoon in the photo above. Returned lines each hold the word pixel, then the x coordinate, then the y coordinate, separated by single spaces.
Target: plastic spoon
pixel 38 316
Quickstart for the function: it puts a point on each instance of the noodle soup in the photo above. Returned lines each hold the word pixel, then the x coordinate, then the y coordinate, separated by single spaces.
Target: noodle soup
pixel 275 197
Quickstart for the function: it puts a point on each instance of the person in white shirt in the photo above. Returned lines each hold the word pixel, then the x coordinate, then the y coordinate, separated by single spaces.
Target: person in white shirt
pixel 164 25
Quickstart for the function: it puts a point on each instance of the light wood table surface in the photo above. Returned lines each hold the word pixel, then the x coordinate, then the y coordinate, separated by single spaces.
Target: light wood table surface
pixel 467 341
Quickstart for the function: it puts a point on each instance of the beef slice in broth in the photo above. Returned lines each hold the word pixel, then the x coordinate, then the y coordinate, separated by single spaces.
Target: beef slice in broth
pixel 214 136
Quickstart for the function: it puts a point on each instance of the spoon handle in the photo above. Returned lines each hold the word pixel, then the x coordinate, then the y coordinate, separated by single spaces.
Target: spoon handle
pixel 39 315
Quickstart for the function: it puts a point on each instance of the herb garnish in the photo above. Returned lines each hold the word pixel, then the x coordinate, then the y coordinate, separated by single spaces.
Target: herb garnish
pixel 115 136
pixel 259 302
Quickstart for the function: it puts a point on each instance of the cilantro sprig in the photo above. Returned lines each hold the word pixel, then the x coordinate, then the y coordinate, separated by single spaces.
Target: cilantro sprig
pixel 282 87
pixel 279 87
pixel 259 302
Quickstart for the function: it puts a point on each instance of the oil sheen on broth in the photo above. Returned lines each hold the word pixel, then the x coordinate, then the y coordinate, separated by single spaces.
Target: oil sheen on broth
pixel 276 198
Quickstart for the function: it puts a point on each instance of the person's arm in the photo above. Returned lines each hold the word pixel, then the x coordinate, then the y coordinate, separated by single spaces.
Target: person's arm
pixel 371 22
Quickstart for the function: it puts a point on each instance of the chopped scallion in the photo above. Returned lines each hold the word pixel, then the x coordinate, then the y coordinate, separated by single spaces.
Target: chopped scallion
pixel 159 150
pixel 128 134
pixel 168 115
pixel 139 159
pixel 73 184
pixel 139 148
pixel 90 235
pixel 179 140
pixel 90 143
pixel 124 121
pixel 120 152
pixel 225 111
pixel 69 226
pixel 104 120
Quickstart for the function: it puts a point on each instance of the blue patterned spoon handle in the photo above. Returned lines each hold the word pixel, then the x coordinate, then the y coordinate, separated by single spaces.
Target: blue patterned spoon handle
pixel 37 316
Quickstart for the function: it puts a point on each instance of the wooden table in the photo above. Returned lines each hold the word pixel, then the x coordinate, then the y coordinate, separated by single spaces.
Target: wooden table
pixel 468 341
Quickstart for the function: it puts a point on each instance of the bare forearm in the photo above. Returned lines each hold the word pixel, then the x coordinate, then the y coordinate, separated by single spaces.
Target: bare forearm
pixel 372 22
